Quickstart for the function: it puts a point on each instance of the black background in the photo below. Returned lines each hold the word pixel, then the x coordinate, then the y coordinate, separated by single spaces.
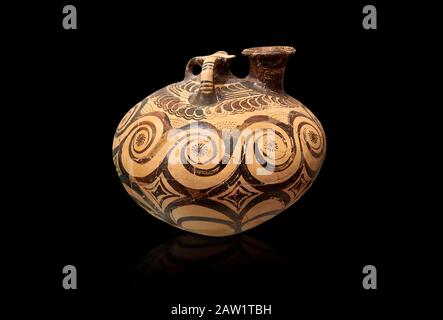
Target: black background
pixel 309 257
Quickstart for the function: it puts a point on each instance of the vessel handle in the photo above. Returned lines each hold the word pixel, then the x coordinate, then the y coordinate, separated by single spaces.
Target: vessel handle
pixel 190 65
pixel 206 92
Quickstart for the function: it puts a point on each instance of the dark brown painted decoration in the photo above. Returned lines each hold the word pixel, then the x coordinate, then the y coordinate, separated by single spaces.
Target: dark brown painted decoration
pixel 215 154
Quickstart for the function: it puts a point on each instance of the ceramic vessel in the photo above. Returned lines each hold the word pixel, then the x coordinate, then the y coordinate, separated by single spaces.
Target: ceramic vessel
pixel 215 154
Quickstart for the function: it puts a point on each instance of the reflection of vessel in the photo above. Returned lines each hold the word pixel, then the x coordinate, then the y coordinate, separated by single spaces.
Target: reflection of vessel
pixel 218 155
pixel 202 262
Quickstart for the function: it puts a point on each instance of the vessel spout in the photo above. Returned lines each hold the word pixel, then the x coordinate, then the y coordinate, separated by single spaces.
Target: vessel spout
pixel 267 66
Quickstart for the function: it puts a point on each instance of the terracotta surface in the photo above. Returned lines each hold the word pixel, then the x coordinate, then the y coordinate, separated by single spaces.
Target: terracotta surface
pixel 215 154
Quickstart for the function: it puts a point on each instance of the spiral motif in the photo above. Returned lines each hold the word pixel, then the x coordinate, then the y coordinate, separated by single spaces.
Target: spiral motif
pixel 269 150
pixel 203 149
pixel 140 138
pixel 312 141
pixel 197 151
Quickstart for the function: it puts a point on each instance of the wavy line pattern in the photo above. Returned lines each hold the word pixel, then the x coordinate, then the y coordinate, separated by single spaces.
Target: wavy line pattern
pixel 234 98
